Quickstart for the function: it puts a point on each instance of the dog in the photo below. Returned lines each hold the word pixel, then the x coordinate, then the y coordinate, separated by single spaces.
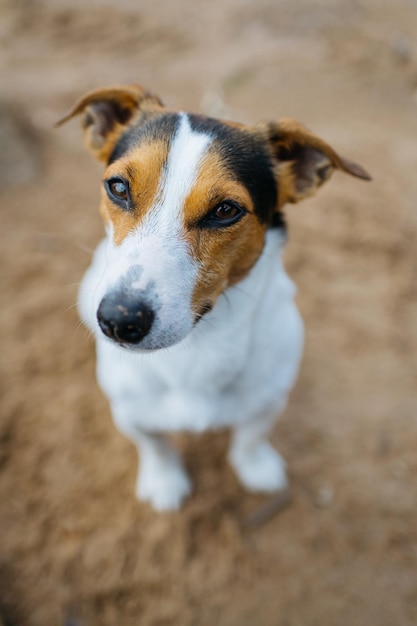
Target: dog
pixel 194 316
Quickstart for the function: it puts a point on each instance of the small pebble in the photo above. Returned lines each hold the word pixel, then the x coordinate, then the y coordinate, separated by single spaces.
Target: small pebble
pixel 401 47
pixel 272 507
pixel 325 496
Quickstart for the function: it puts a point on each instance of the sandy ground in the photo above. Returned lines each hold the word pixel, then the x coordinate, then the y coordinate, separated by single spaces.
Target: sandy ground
pixel 76 548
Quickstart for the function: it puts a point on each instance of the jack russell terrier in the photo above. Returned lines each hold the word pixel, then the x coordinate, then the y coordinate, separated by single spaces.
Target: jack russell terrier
pixel 193 313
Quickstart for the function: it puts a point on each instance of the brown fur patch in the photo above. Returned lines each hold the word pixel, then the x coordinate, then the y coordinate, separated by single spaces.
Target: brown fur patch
pixel 227 254
pixel 142 168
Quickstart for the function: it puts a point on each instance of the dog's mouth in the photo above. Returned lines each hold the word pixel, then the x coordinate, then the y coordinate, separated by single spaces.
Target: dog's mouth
pixel 206 308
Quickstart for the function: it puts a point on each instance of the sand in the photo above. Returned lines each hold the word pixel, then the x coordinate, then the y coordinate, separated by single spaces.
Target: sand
pixel 76 547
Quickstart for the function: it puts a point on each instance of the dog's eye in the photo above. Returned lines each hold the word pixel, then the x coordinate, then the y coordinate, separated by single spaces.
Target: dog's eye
pixel 117 190
pixel 225 214
pixel 226 211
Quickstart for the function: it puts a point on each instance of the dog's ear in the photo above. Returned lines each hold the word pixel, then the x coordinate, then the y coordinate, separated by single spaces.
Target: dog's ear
pixel 107 113
pixel 303 160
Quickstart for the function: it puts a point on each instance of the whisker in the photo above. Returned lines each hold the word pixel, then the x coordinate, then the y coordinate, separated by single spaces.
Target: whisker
pixel 205 320
pixel 226 297
pixel 85 248
pixel 242 290
pixel 70 308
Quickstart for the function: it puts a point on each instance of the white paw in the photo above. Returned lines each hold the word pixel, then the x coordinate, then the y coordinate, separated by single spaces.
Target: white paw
pixel 165 485
pixel 259 468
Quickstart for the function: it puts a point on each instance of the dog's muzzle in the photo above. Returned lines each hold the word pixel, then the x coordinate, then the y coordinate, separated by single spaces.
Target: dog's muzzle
pixel 125 317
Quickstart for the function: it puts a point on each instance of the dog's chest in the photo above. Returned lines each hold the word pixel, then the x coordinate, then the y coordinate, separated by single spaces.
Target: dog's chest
pixel 233 365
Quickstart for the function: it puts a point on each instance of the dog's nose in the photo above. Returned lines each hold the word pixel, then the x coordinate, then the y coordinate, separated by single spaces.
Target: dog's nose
pixel 125 318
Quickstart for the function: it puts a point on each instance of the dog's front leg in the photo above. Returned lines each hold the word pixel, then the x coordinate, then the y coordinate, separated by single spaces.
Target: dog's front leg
pixel 257 464
pixel 162 479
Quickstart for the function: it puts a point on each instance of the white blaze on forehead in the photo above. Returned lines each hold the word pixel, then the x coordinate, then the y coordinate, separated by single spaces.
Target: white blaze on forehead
pixel 187 149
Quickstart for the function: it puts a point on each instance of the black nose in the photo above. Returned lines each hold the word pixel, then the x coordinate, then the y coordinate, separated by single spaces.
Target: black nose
pixel 125 318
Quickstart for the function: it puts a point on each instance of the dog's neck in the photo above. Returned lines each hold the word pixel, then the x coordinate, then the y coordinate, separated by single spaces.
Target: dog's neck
pixel 237 308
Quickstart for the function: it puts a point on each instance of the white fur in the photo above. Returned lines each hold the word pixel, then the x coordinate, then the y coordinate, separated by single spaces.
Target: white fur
pixel 235 369
pixel 167 271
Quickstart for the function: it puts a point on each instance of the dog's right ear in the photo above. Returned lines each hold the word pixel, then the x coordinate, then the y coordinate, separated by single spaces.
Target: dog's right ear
pixel 108 112
pixel 303 160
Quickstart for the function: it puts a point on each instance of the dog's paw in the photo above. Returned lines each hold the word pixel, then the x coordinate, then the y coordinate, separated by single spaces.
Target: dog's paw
pixel 165 486
pixel 259 468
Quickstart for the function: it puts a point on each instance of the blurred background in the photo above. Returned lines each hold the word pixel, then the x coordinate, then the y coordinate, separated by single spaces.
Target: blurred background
pixel 76 548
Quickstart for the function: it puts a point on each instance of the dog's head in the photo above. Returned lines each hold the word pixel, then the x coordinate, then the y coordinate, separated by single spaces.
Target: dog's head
pixel 187 201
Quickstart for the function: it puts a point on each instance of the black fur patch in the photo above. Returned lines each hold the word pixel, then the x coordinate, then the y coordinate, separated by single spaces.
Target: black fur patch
pixel 150 127
pixel 247 159
pixel 278 221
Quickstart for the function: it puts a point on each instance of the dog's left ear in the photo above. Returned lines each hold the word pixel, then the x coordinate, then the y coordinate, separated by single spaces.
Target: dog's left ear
pixel 108 112
pixel 303 160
